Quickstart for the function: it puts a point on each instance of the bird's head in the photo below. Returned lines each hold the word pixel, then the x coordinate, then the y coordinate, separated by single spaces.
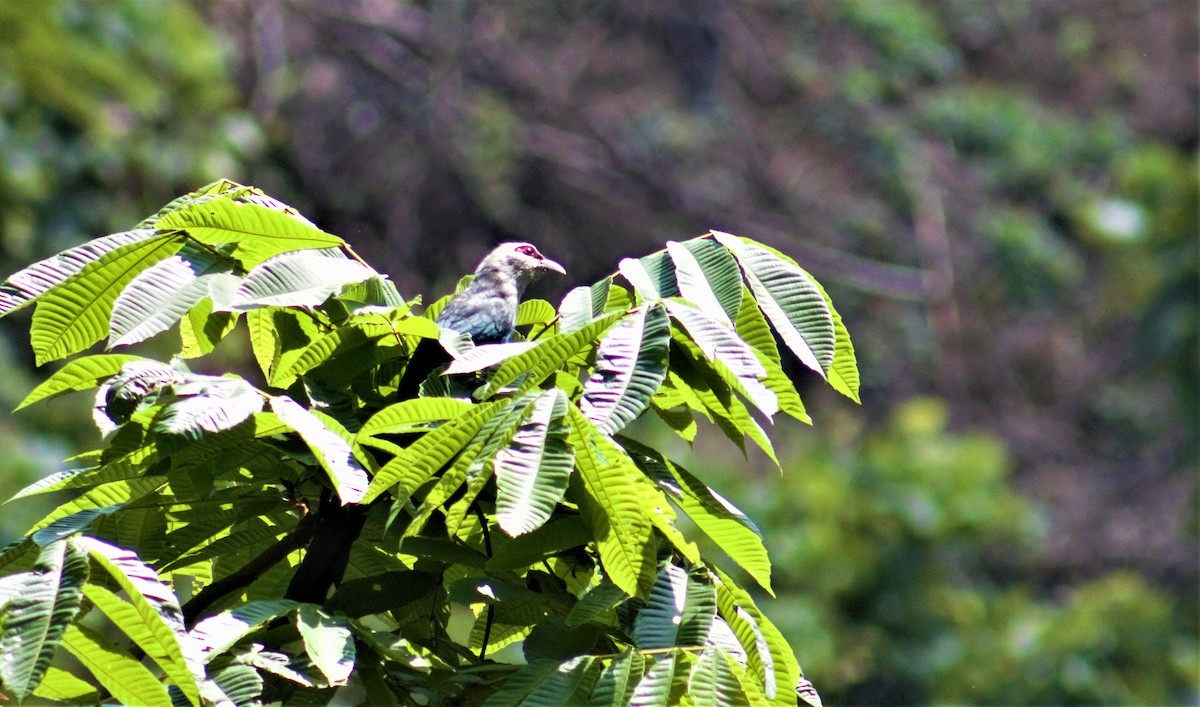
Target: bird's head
pixel 520 261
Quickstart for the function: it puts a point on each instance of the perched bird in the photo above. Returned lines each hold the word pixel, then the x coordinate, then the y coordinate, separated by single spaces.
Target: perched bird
pixel 486 310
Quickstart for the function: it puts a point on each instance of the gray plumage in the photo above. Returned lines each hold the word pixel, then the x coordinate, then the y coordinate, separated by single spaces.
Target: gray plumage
pixel 487 308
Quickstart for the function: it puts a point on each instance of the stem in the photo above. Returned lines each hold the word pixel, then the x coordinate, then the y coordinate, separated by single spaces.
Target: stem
pixel 491 610
pixel 293 541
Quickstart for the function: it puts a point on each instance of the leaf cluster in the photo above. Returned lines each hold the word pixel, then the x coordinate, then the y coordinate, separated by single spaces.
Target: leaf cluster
pixel 516 547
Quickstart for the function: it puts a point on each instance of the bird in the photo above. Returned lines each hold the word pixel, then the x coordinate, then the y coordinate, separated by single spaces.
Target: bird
pixel 485 310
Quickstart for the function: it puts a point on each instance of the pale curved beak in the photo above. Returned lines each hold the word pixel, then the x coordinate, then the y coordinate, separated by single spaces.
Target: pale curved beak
pixel 548 264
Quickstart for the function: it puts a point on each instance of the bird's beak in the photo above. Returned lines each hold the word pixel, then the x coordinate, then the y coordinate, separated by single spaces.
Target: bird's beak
pixel 548 264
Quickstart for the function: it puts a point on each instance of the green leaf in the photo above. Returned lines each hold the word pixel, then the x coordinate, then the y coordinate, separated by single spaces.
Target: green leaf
pixel 753 328
pixel 61 686
pixel 558 535
pixel 302 279
pixel 126 617
pixel 162 294
pixel 80 374
pixel 652 276
pixel 582 305
pixel 240 684
pixel 790 299
pixel 611 505
pixel 597 601
pixel 532 470
pixel 105 496
pixel 768 654
pixel 665 683
pixel 27 285
pixel 477 358
pixel 410 415
pixel 328 643
pixel 216 634
pixel 279 336
pixel 331 447
pixel 716 517
pixel 257 231
pixel 843 372
pixel 73 314
pixel 417 463
pixel 201 329
pixel 356 335
pixel 677 614
pixel 207 405
pixel 619 680
pixel 546 357
pixel 721 345
pixel 631 364
pixel 535 311
pixel 46 603
pixel 126 679
pixel 714 680
pixel 159 611
pixel 708 277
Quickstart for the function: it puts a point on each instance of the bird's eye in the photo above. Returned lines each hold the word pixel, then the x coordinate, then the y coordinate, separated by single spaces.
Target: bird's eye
pixel 528 250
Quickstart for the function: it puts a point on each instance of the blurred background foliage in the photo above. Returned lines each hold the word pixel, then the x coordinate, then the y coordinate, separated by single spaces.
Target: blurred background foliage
pixel 1002 198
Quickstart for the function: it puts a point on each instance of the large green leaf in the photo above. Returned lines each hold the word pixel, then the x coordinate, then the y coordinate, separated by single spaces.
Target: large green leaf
pixel 543 683
pixel 201 329
pixel 708 277
pixel 706 386
pixel 722 346
pixel 612 506
pixel 278 337
pixel 410 415
pixel 61 686
pixel 546 357
pixel 532 470
pixel 328 643
pixel 768 654
pixel 159 611
pixel 678 613
pixel 73 314
pixel 125 616
pixel 665 683
pixel 162 294
pixel 332 447
pixel 557 535
pixel 363 331
pixel 257 231
pixel 474 466
pixel 24 287
pixel 80 374
pixel 304 278
pixel 583 304
pixel 417 463
pixel 207 405
pixel 35 619
pixel 126 679
pixel 104 496
pixel 216 634
pixel 715 681
pixel 791 300
pixel 715 516
pixel 652 276
pixel 843 372
pixel 631 364
pixel 618 681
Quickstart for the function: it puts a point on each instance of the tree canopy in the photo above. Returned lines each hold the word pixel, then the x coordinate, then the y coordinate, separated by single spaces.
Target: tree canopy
pixel 517 545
